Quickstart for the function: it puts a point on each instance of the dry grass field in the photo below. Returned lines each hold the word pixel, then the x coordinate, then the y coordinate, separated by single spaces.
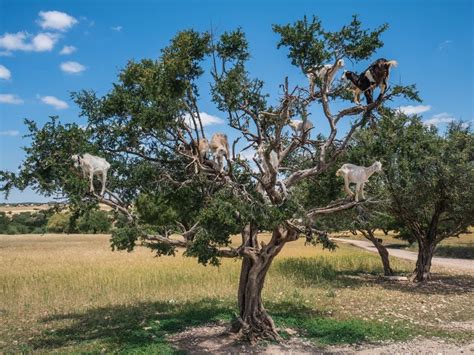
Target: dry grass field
pixel 72 293
pixel 21 208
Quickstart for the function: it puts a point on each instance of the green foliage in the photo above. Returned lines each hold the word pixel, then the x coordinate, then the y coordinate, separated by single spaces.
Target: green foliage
pixel 59 223
pixel 94 222
pixel 23 223
pixel 311 46
pixel 125 238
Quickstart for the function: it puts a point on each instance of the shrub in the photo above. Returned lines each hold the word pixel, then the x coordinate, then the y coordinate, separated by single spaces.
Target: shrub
pixel 94 222
pixel 59 223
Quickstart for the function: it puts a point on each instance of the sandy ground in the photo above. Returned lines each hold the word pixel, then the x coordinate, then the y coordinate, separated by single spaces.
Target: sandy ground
pixel 216 339
pixel 451 263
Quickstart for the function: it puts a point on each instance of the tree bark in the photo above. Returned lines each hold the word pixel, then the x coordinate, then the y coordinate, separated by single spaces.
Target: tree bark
pixel 383 252
pixel 253 321
pixel 422 271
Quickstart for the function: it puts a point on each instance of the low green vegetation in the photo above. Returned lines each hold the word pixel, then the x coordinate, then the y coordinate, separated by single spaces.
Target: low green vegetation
pixel 48 221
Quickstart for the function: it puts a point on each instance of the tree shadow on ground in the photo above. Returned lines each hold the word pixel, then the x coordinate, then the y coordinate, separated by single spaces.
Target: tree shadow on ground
pixel 150 327
pixel 307 272
pixel 138 327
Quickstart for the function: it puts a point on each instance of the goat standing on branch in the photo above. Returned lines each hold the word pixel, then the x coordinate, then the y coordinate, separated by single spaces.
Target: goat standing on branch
pixel 92 165
pixel 300 127
pixel 375 75
pixel 327 72
pixel 358 175
pixel 220 149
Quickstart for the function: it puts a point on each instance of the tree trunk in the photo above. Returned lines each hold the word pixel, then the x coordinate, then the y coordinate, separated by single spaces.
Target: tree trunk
pixel 253 321
pixel 383 252
pixel 422 271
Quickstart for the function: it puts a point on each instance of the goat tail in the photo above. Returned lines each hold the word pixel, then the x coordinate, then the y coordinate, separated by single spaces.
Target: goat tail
pixel 391 63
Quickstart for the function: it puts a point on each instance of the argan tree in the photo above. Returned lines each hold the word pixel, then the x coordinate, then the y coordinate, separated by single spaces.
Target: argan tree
pixel 149 126
pixel 428 178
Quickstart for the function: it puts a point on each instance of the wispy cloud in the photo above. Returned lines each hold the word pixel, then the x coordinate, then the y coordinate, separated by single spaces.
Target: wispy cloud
pixel 248 154
pixel 440 118
pixel 10 99
pixel 56 20
pixel 55 102
pixel 206 119
pixel 23 41
pixel 67 50
pixel 414 110
pixel 444 45
pixel 10 133
pixel 72 67
pixel 116 28
pixel 5 74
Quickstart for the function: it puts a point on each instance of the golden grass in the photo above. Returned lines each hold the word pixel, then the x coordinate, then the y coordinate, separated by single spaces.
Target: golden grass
pixel 17 209
pixel 41 276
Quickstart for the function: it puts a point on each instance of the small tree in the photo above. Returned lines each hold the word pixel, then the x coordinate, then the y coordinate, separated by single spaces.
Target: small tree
pixel 149 125
pixel 59 223
pixel 429 179
pixel 94 222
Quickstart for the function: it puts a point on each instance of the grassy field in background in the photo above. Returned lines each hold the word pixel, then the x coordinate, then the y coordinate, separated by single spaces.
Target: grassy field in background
pixel 72 293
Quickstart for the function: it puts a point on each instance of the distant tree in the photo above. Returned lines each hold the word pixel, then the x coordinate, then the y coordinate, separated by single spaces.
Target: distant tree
pixel 59 223
pixel 94 222
pixel 149 125
pixel 429 179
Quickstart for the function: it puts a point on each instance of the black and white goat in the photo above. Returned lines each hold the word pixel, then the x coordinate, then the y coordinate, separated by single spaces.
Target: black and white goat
pixel 375 75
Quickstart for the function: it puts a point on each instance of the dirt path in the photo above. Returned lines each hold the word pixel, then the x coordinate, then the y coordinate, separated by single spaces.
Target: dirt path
pixel 459 264
pixel 216 339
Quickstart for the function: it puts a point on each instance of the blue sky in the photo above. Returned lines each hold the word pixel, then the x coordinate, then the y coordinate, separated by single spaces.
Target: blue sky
pixel 51 48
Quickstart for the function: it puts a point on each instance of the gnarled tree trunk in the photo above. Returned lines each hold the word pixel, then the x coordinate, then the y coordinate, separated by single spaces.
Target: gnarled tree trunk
pixel 253 321
pixel 383 252
pixel 426 251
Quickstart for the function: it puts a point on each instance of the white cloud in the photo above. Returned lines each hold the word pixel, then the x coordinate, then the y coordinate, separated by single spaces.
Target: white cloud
pixel 248 154
pixel 10 99
pixel 23 41
pixel 414 110
pixel 116 28
pixel 445 44
pixel 206 119
pixel 72 67
pixel 44 42
pixel 56 20
pixel 10 133
pixel 68 50
pixel 438 119
pixel 5 73
pixel 53 101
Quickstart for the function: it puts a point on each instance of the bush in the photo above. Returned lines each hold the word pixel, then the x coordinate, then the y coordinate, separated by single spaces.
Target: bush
pixel 59 223
pixel 94 222
pixel 23 223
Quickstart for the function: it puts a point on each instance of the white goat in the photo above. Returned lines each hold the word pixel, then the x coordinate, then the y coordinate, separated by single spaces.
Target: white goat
pixel 203 148
pixel 274 161
pixel 358 175
pixel 321 73
pixel 220 149
pixel 92 165
pixel 300 127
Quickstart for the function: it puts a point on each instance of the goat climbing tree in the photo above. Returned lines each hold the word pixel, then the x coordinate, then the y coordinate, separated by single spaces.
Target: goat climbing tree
pixel 148 127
